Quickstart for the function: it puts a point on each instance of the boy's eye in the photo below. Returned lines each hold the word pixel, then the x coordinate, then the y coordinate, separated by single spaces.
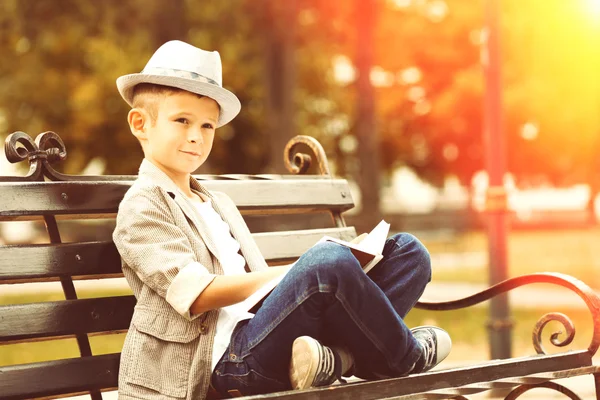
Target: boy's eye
pixel 182 120
pixel 208 126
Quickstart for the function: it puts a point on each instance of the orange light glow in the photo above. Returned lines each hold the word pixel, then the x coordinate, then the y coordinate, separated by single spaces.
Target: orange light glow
pixel 594 7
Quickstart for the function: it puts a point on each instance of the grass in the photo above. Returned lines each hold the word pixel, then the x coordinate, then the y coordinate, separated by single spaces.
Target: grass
pixel 469 333
pixel 19 353
pixel 22 353
pixel 572 252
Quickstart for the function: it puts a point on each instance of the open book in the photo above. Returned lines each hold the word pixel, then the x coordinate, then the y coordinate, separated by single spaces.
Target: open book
pixel 367 252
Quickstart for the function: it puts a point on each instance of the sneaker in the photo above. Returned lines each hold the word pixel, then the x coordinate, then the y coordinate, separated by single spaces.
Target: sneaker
pixel 313 364
pixel 436 344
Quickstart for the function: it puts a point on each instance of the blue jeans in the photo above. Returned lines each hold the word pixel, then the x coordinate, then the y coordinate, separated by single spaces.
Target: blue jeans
pixel 327 296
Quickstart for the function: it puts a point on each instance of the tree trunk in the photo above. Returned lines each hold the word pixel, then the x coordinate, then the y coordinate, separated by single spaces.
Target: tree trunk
pixel 369 171
pixel 170 22
pixel 280 77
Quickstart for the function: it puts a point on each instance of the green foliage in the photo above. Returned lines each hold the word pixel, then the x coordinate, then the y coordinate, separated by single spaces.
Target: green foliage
pixel 65 56
pixel 60 60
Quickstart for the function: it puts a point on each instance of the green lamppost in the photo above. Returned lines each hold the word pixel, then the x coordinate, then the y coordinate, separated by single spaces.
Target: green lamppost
pixel 499 324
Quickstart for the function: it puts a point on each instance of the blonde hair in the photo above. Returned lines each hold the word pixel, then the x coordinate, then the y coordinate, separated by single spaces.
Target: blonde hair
pixel 149 95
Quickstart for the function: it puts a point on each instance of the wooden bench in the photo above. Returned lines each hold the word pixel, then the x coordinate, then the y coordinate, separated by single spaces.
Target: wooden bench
pixel 75 207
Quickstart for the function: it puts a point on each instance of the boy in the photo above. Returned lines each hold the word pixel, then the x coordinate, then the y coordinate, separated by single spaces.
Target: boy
pixel 185 252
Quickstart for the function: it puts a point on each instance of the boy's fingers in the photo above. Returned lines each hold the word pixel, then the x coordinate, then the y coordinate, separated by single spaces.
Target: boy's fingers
pixel 359 238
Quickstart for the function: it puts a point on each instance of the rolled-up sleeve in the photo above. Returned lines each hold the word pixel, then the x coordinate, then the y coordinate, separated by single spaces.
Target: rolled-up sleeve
pixel 186 287
pixel 159 252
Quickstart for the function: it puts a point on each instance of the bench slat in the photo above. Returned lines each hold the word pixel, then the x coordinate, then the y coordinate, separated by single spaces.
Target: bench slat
pixel 100 372
pixel 29 199
pixel 43 262
pixel 59 377
pixel 538 380
pixel 441 379
pixel 67 317
pixel 28 262
pixel 289 245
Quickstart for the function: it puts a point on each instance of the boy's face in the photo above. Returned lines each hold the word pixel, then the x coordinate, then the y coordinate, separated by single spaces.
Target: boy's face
pixel 182 137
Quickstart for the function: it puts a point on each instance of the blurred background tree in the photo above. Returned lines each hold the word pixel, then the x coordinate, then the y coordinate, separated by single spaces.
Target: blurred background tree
pixel 295 65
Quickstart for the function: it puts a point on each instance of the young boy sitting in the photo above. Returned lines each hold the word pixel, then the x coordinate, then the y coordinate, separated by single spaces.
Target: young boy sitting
pixel 188 255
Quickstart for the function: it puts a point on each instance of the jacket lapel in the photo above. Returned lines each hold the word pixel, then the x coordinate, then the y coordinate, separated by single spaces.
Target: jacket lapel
pixel 150 171
pixel 222 204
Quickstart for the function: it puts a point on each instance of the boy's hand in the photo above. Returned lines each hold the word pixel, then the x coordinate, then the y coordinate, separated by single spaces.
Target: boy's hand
pixel 359 238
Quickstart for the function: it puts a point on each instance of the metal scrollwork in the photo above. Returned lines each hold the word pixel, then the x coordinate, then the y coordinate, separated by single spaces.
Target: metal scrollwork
pixel 52 145
pixel 13 152
pixel 298 163
pixel 539 326
pixel 18 147
pixel 590 298
pixel 47 148
pixel 547 385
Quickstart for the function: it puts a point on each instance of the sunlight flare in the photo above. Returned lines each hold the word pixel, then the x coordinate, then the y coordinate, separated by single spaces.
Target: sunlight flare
pixel 593 7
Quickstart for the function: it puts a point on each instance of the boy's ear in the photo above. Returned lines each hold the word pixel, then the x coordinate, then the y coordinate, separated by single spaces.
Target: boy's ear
pixel 138 118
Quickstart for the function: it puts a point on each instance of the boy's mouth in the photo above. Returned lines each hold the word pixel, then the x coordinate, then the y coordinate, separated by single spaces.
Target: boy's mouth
pixel 193 153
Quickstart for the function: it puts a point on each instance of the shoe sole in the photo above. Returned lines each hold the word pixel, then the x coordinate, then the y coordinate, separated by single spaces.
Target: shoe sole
pixel 303 367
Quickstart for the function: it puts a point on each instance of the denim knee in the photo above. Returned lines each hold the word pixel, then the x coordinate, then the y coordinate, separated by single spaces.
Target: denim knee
pixel 329 261
pixel 411 246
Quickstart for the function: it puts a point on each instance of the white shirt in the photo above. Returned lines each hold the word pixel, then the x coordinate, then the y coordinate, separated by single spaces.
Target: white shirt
pixel 233 264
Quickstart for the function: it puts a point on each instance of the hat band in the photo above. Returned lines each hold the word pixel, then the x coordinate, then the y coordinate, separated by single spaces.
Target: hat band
pixel 179 74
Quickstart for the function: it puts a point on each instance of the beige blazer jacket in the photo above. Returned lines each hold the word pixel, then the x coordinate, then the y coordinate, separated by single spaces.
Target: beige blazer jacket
pixel 168 259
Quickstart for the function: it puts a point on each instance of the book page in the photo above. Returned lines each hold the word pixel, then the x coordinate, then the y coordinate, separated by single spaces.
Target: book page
pixel 368 251
pixel 375 240
pixel 352 246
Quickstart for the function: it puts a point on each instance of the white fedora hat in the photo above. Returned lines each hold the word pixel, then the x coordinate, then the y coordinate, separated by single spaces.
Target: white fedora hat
pixel 181 65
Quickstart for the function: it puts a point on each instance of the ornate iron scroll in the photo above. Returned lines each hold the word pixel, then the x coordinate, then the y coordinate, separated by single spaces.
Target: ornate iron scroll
pixel 518 391
pixel 590 298
pixel 46 149
pixel 49 148
pixel 539 326
pixel 298 163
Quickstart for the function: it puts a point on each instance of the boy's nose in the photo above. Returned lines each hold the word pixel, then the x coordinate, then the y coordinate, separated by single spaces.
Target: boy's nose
pixel 195 138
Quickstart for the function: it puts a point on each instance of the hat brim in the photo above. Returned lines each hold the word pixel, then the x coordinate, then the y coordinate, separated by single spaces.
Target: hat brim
pixel 228 102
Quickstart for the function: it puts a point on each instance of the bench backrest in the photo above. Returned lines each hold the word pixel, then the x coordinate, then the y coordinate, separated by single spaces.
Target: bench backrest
pixel 279 209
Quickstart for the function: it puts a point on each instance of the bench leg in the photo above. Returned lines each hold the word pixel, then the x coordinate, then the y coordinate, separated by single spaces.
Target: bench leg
pixel 597 385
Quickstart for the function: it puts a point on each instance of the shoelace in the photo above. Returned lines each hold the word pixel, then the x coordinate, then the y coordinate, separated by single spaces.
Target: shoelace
pixel 429 349
pixel 329 370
